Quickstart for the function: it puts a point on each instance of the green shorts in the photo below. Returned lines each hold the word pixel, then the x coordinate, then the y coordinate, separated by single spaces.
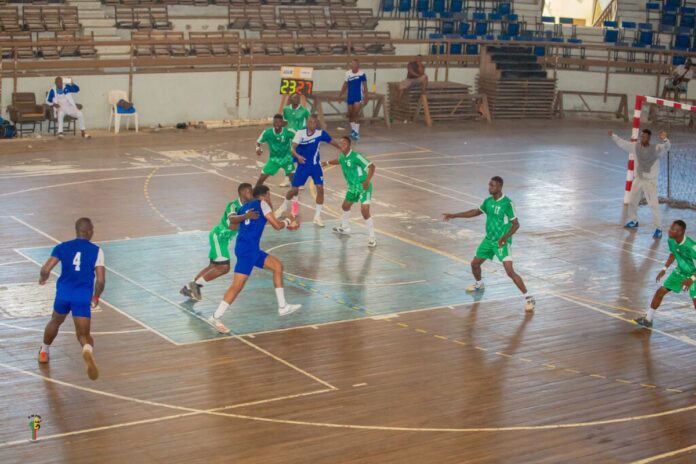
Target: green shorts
pixel 359 194
pixel 220 246
pixel 273 165
pixel 674 283
pixel 488 249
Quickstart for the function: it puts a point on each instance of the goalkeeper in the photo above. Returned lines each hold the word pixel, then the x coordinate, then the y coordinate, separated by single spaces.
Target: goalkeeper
pixel 647 169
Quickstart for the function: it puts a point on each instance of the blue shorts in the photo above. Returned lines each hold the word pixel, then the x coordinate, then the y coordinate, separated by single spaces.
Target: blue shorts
pixel 248 259
pixel 78 308
pixel 353 100
pixel 305 171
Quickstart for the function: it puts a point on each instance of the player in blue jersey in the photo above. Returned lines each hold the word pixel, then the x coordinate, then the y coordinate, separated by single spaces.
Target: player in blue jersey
pixel 76 291
pixel 355 90
pixel 252 218
pixel 305 148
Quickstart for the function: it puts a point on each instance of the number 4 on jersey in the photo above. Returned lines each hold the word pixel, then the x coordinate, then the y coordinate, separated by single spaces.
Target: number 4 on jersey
pixel 76 261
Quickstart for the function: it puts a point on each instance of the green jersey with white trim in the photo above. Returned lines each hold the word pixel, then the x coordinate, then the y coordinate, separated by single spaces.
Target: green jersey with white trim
pixel 279 144
pixel 685 254
pixel 354 167
pixel 222 228
pixel 499 216
pixel 296 118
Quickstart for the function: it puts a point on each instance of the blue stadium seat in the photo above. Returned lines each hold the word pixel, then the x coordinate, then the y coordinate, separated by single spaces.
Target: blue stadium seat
pixel 681 42
pixel 513 29
pixel 455 48
pixel 456 6
pixel 505 9
pixel 504 37
pixel 464 28
pixel 650 8
pixel 687 19
pixel 611 36
pixel 673 4
pixel 479 16
pixel 404 6
pixel 436 49
pixel 421 6
pixel 481 28
pixel 387 6
pixel 439 6
pixel 678 60
pixel 612 24
pixel 512 17
pixel 447 27
pixel 471 48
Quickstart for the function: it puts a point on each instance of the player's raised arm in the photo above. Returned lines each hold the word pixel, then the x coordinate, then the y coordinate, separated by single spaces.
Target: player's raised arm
pixel 46 269
pixel 465 214
pixel 665 146
pixel 623 144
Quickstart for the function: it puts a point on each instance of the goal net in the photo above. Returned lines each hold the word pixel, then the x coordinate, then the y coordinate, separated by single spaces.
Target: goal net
pixel 677 182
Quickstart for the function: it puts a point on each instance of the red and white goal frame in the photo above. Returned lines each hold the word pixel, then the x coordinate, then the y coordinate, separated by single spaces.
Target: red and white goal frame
pixel 635 132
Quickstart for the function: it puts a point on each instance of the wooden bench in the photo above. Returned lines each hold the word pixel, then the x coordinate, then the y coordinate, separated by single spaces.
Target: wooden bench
pixel 332 98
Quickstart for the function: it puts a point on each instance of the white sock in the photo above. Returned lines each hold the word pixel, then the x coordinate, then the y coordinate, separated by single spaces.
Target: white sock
pixel 284 206
pixel 87 347
pixel 200 281
pixel 45 348
pixel 479 283
pixel 345 220
pixel 357 127
pixel 649 315
pixel 280 294
pixel 352 126
pixel 370 223
pixel 222 307
pixel 317 211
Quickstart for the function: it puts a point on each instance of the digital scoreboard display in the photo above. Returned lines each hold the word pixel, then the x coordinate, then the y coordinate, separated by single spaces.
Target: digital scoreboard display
pixel 301 86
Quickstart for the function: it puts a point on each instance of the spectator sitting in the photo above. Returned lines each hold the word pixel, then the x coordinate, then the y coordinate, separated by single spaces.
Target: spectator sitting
pixel 679 80
pixel 61 100
pixel 415 75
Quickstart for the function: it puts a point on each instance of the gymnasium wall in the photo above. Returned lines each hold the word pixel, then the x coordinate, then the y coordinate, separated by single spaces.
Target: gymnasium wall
pixel 169 98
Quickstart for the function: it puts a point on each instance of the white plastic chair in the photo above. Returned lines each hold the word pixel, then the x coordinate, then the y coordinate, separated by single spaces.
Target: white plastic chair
pixel 114 96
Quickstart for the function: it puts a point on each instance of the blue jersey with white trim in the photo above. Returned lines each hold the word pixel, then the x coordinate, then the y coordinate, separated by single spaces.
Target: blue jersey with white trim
pixel 308 145
pixel 78 259
pixel 355 85
pixel 251 230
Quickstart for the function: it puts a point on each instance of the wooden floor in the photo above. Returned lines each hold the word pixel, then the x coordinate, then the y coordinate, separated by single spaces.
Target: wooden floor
pixel 389 361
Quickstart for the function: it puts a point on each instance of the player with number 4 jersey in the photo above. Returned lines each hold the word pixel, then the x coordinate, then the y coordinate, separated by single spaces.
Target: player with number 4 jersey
pixel 501 225
pixel 82 263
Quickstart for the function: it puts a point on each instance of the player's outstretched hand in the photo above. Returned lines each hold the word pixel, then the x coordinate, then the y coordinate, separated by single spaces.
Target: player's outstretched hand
pixel 611 132
pixel 446 217
pixel 660 276
pixel 663 135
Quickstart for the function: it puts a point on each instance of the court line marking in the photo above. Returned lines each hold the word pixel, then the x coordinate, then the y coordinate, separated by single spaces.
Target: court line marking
pixel 32 174
pixel 414 152
pixel 146 192
pixel 90 181
pixel 394 284
pixel 618 420
pixel 14 262
pixel 247 342
pixel 114 332
pixel 669 454
pixel 463 163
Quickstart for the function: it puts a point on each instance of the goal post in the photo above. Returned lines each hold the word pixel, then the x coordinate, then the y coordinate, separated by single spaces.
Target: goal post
pixel 677 183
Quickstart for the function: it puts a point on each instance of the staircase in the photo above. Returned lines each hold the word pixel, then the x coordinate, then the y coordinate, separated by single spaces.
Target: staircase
pixel 515 82
pixel 631 10
pixel 95 23
pixel 528 10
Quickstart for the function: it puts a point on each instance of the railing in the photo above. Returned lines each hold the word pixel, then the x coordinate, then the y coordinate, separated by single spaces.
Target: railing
pixel 609 13
pixel 557 56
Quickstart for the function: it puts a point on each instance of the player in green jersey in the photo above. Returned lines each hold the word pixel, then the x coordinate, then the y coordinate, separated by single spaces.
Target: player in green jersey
pixel 279 140
pixel 682 249
pixel 295 114
pixel 358 172
pixel 501 225
pixel 220 237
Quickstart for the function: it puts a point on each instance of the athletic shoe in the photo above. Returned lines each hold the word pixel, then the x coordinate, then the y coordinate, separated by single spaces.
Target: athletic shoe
pixel 92 371
pixel 43 357
pixel 186 292
pixel 318 221
pixel 86 136
pixel 295 208
pixel 631 225
pixel 288 309
pixel 642 321
pixel 341 230
pixel 195 290
pixel 353 135
pixel 356 136
pixel 371 242
pixel 219 326
pixel 475 287
pixel 529 304
pixel 60 135
pixel 658 234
